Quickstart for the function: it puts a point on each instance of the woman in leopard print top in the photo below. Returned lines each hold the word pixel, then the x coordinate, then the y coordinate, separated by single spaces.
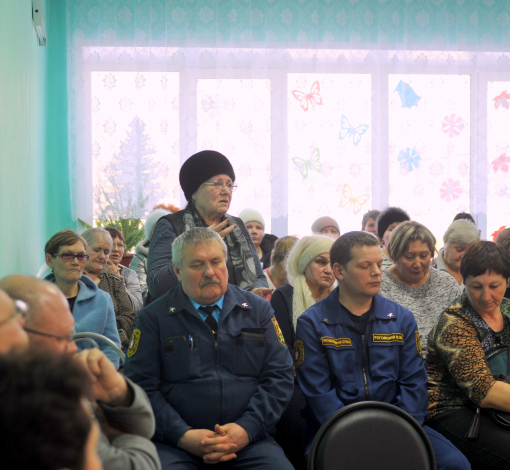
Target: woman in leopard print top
pixel 459 379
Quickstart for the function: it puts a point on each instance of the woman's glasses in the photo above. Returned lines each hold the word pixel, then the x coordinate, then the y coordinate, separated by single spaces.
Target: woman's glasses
pixel 70 257
pixel 219 185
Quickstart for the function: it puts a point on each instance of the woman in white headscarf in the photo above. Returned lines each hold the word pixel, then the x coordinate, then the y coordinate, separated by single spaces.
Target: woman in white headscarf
pixel 310 280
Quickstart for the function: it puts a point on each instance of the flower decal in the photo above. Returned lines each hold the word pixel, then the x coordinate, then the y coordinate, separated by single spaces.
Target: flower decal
pixel 452 125
pixel 497 232
pixel 409 159
pixel 450 190
pixel 501 163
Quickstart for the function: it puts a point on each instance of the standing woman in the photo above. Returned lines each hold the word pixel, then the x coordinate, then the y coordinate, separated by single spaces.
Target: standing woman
pixel 388 221
pixel 92 309
pixel 207 180
pixel 411 282
pixel 458 238
pixel 311 279
pixel 99 246
pixel 113 266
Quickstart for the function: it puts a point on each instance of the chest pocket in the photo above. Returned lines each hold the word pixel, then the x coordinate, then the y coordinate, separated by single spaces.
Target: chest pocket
pixel 181 358
pixel 341 356
pixel 248 348
pixel 384 354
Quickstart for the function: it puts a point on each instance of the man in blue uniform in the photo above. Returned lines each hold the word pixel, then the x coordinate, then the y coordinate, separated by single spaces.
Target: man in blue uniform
pixel 356 345
pixel 214 364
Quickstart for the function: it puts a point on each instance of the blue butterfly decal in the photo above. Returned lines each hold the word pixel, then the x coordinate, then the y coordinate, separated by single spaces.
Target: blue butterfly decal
pixel 313 163
pixel 356 132
pixel 407 95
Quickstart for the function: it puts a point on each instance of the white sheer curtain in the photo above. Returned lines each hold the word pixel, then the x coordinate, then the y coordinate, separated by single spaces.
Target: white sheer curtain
pixel 322 109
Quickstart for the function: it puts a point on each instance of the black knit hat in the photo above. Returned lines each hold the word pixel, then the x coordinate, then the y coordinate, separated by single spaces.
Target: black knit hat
pixel 198 168
pixel 388 217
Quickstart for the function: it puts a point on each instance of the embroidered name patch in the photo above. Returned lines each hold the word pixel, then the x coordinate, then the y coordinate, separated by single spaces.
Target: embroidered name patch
pixel 278 331
pixel 299 353
pixel 418 343
pixel 336 342
pixel 388 338
pixel 133 344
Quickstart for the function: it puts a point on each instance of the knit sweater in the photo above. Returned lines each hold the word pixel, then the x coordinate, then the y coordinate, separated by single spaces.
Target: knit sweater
pixel 426 302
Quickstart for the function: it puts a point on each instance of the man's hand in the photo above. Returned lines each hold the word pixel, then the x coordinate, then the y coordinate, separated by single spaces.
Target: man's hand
pixel 112 268
pixel 108 385
pixel 262 292
pixel 229 433
pixel 221 450
pixel 220 228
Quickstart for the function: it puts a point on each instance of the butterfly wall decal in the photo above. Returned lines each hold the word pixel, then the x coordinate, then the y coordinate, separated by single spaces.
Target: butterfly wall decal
pixel 355 203
pixel 347 130
pixel 305 99
pixel 313 163
pixel 407 95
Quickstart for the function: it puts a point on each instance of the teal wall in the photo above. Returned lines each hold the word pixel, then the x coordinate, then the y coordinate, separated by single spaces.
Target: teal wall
pixel 22 140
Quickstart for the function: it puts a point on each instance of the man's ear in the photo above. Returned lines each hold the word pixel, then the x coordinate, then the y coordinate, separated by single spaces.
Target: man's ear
pixel 338 271
pixel 177 272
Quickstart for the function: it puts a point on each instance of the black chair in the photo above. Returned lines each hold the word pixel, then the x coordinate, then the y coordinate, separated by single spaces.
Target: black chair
pixel 371 435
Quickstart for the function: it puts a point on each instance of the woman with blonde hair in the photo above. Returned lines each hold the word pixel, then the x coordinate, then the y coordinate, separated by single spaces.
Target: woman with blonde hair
pixel 276 274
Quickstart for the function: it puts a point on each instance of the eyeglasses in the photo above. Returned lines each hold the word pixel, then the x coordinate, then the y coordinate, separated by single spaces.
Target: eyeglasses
pixel 20 308
pixel 71 256
pixel 68 338
pixel 119 245
pixel 219 185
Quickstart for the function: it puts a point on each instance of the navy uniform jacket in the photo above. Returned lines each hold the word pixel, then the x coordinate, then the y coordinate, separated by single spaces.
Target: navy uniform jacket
pixel 245 377
pixel 337 366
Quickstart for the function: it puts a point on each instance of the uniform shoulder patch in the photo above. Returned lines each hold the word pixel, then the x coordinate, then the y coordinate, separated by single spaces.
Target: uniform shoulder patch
pixel 418 343
pixel 133 344
pixel 336 342
pixel 278 331
pixel 388 337
pixel 299 353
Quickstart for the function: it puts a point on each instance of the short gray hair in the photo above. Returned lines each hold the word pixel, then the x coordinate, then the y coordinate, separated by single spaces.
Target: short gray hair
pixel 406 233
pixel 92 234
pixel 461 232
pixel 194 237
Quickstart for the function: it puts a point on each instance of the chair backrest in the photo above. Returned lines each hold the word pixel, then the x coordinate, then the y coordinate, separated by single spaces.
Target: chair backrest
pixel 92 338
pixel 371 435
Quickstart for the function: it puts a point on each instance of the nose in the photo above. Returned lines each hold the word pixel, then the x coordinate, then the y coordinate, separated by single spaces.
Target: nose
pixel 328 269
pixel 486 295
pixel 72 348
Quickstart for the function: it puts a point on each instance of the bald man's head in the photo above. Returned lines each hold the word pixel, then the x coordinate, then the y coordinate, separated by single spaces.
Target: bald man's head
pixel 49 321
pixel 12 336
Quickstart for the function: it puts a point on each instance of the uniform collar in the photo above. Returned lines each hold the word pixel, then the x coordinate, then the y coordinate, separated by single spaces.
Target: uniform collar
pixel 218 303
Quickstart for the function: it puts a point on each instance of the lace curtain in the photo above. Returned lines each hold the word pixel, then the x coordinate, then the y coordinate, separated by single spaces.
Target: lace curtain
pixel 323 107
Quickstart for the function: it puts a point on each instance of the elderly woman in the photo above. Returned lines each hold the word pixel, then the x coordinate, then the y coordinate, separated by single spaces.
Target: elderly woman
pixel 113 266
pixel 459 379
pixel 458 238
pixel 387 221
pixel 92 309
pixel 99 246
pixel 139 261
pixel 368 223
pixel 311 279
pixel 276 274
pixel 411 281
pixel 264 242
pixel 326 226
pixel 207 180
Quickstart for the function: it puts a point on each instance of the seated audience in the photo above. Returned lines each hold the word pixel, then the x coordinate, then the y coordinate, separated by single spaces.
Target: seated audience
pixel 461 385
pixel 139 261
pixel 465 216
pixel 45 423
pixel 326 226
pixel 368 222
pixel 387 221
pixel 264 242
pixel 411 282
pixel 458 238
pixel 13 338
pixel 113 266
pixel 311 279
pixel 214 364
pixel 99 246
pixel 355 330
pixel 503 239
pixel 91 307
pixel 128 421
pixel 208 182
pixel 276 274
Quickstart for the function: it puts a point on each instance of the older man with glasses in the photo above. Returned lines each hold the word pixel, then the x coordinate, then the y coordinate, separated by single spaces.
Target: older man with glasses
pixel 12 319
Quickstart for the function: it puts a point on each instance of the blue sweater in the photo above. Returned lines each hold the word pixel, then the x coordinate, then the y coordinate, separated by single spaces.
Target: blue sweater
pixel 93 312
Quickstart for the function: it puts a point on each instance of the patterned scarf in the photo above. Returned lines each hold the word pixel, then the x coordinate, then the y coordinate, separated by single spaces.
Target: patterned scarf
pixel 240 264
